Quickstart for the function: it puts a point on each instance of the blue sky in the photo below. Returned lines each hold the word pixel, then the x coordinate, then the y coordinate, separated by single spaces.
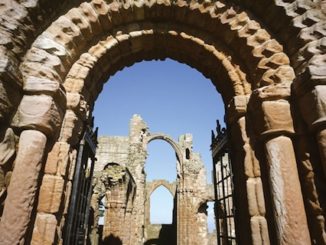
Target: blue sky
pixel 172 98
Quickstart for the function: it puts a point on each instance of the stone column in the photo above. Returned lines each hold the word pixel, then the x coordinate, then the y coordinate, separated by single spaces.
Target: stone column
pixel 270 112
pixel 185 217
pixel 22 188
pixel 188 183
pixel 136 161
pixel 39 116
pixel 251 224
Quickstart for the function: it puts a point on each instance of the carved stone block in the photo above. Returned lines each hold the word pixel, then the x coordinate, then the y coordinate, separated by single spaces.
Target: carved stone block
pixel 58 159
pixel 50 194
pixel 39 112
pixel 22 188
pixel 313 107
pixel 270 111
pixel 44 229
pixel 71 129
pixel 237 108
pixel 259 230
pixel 277 117
pixel 288 207
pixel 255 197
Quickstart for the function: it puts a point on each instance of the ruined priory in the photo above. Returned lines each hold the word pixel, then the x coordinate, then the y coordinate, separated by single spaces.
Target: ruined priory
pixel 266 58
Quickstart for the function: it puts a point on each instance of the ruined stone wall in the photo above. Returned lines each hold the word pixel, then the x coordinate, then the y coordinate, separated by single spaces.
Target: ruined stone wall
pixel 116 185
pixel 190 190
pixel 150 188
pixel 119 207
pixel 111 149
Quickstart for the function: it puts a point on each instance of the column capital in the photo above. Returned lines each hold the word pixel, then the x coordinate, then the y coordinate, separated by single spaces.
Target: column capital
pixel 41 108
pixel 314 75
pixel 236 108
pixel 310 91
pixel 40 112
pixel 269 111
pixel 313 107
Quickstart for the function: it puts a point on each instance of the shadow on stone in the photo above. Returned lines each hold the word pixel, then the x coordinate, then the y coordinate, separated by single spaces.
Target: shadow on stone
pixel 111 240
pixel 166 235
pixel 152 242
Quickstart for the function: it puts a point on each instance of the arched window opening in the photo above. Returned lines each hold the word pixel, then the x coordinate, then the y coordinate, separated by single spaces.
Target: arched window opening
pixel 102 204
pixel 206 210
pixel 161 161
pixel 187 154
pixel 101 215
pixel 211 218
pixel 169 89
pixel 161 206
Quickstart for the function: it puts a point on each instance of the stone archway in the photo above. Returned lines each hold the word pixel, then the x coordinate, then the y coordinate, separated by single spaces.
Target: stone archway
pixel 57 68
pixel 153 185
pixel 175 146
pixel 160 230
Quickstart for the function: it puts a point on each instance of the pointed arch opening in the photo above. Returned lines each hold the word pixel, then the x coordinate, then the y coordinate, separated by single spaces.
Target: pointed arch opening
pixel 161 206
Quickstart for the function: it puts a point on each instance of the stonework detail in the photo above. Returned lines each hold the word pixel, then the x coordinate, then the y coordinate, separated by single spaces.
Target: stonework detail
pixel 56 55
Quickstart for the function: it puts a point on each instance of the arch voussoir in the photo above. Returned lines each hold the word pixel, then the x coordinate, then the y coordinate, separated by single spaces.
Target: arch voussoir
pixel 105 57
pixel 80 25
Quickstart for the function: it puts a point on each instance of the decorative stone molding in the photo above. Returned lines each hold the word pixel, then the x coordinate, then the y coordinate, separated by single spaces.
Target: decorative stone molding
pixel 42 61
pixel 41 112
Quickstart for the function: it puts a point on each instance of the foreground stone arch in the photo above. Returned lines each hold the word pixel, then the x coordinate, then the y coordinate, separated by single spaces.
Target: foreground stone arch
pixel 58 70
